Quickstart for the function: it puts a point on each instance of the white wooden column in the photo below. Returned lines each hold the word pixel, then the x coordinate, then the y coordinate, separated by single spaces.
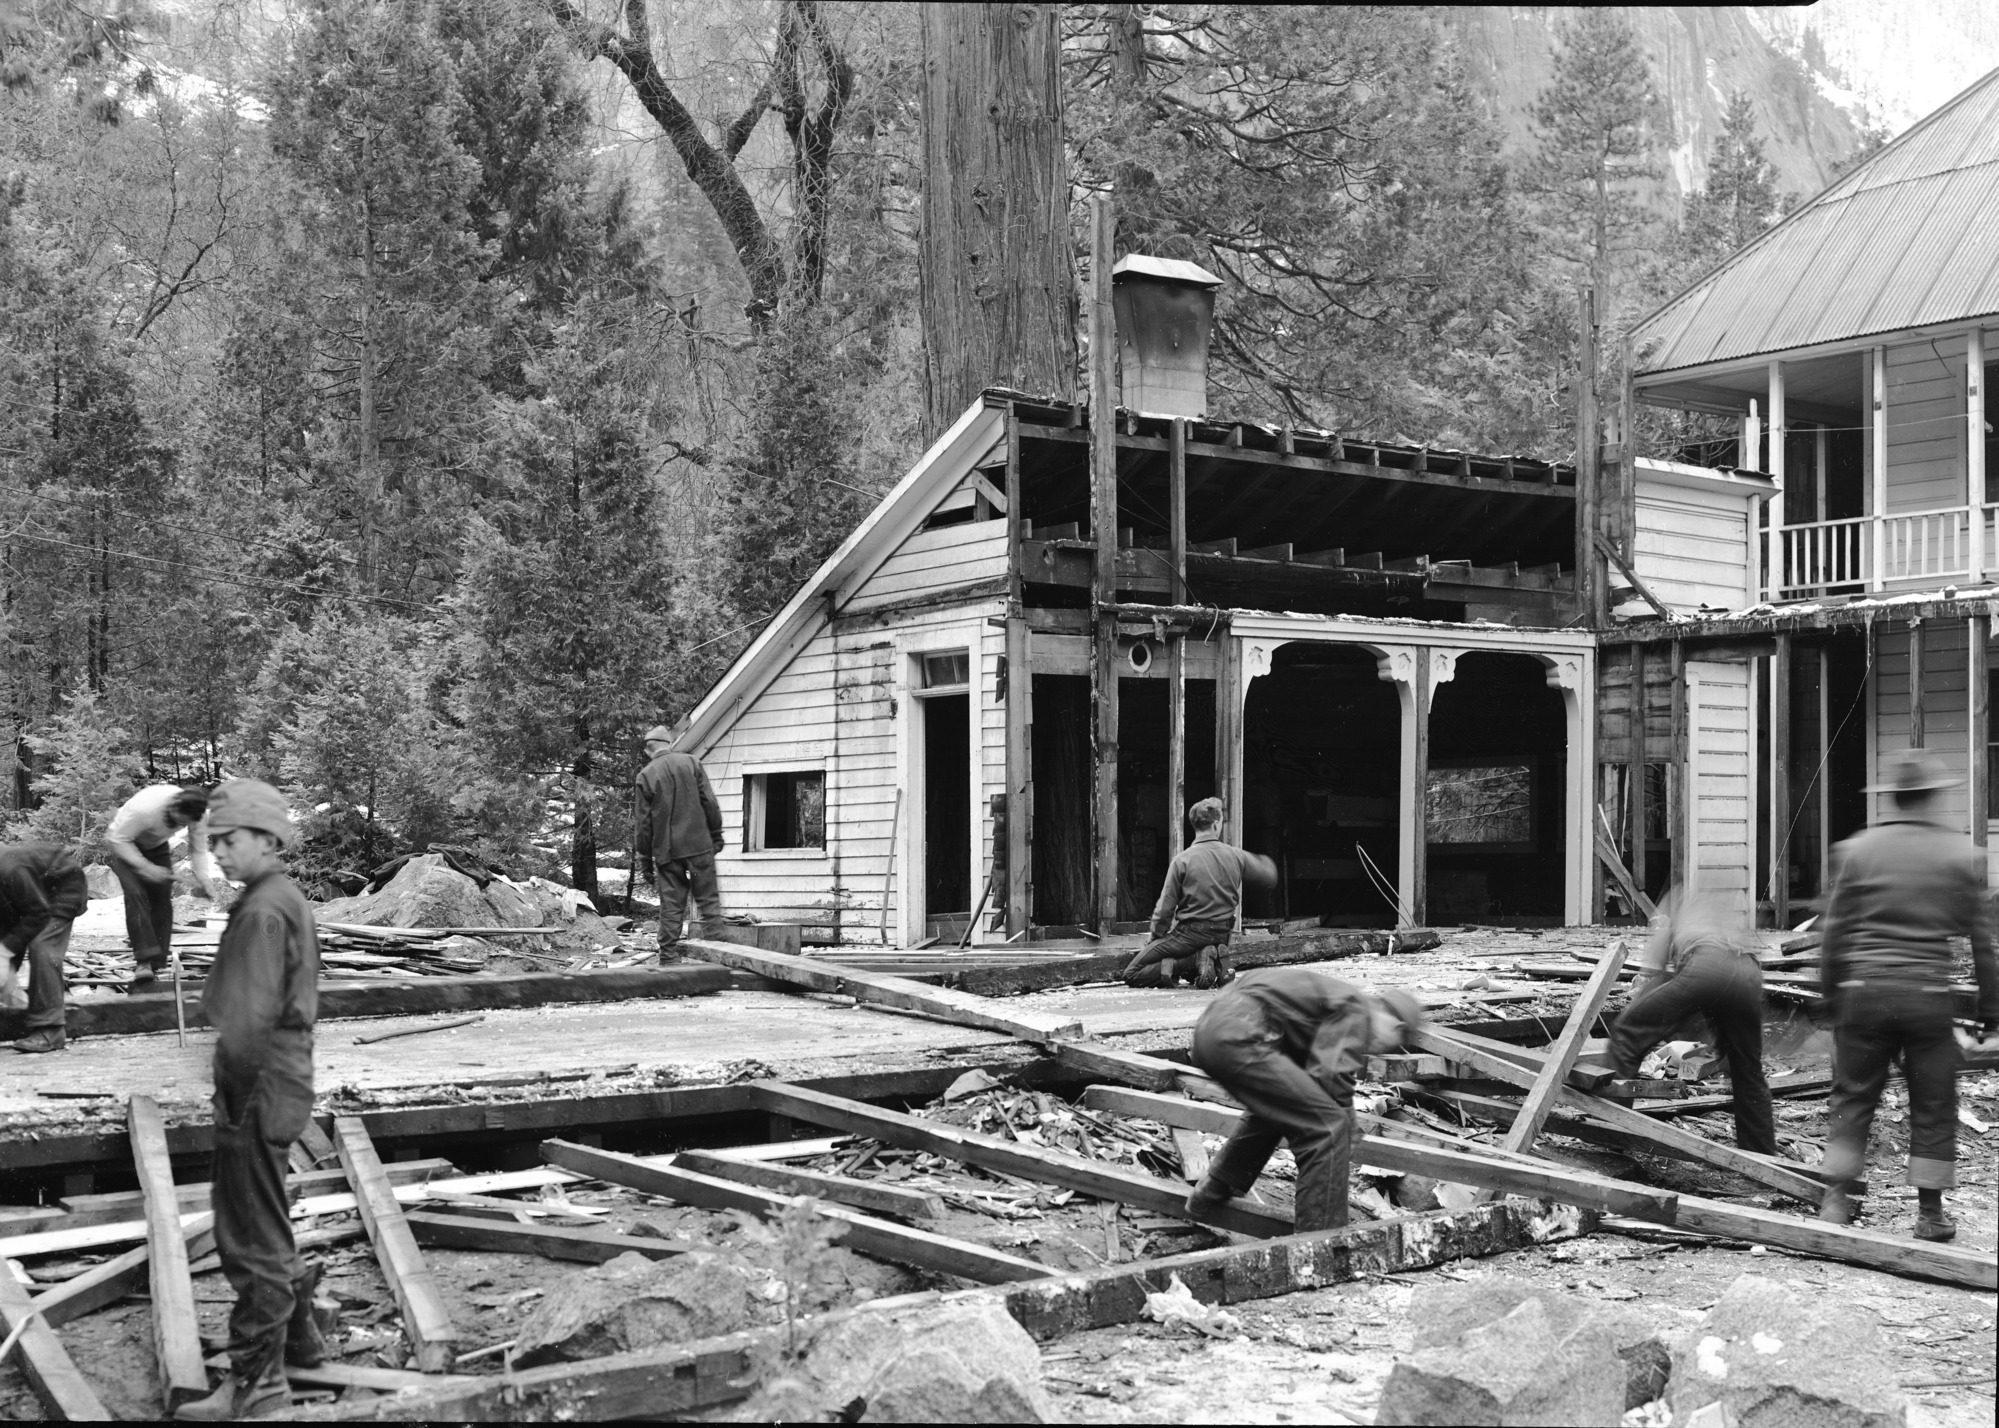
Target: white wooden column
pixel 1405 668
pixel 1974 447
pixel 1877 447
pixel 1773 579
pixel 1573 675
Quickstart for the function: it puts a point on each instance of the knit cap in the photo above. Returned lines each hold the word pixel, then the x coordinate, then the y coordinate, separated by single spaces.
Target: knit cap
pixel 250 803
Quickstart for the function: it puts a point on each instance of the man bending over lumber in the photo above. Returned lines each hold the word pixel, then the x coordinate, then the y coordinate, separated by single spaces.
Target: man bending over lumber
pixel 262 997
pixel 1195 917
pixel 1288 1042
pixel 42 891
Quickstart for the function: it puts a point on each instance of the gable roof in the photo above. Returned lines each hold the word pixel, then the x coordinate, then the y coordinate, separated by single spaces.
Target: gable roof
pixel 885 528
pixel 1908 238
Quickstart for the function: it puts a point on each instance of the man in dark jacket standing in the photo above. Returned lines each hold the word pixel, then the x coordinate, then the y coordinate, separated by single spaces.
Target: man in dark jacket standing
pixel 1197 908
pixel 262 997
pixel 1288 1042
pixel 42 891
pixel 679 832
pixel 1903 889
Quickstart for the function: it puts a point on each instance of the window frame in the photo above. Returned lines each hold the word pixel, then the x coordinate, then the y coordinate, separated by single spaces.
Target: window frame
pixel 755 811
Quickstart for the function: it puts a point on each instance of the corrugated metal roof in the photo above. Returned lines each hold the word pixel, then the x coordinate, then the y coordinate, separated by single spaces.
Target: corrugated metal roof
pixel 1909 238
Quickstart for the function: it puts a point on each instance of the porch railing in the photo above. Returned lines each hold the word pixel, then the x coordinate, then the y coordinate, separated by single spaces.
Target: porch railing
pixel 1873 552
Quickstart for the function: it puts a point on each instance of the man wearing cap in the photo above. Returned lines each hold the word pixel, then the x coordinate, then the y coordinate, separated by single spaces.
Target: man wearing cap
pixel 1700 958
pixel 137 843
pixel 1196 912
pixel 679 831
pixel 1287 1042
pixel 261 997
pixel 42 891
pixel 1902 890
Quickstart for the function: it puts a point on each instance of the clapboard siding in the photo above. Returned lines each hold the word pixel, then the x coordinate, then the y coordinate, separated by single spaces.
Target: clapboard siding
pixel 1691 546
pixel 931 562
pixel 1722 809
pixel 1926 399
pixel 1946 714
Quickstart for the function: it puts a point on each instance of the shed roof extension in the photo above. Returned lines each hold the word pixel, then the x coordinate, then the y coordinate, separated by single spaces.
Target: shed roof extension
pixel 1909 238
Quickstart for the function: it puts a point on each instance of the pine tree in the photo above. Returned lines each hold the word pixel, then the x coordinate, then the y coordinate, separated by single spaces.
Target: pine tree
pixel 1739 199
pixel 91 771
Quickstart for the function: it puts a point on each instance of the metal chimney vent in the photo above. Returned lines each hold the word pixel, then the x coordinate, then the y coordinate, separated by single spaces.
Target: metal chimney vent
pixel 1165 310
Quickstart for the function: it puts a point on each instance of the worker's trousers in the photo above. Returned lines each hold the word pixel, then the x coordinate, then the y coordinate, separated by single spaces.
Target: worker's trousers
pixel 676 880
pixel 1727 987
pixel 44 957
pixel 149 909
pixel 1877 1022
pixel 1235 1045
pixel 253 1236
pixel 1177 954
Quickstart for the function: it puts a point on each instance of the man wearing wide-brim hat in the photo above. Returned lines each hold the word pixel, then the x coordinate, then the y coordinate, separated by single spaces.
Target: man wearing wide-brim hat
pixel 1902 890
pixel 678 834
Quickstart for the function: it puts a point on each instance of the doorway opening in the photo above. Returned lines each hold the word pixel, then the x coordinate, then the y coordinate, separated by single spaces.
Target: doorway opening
pixel 947 810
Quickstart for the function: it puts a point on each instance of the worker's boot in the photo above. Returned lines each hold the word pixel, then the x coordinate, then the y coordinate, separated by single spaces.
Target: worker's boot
pixel 241 1397
pixel 305 1340
pixel 1207 972
pixel 1931 1222
pixel 1836 1207
pixel 49 1038
pixel 1207 1197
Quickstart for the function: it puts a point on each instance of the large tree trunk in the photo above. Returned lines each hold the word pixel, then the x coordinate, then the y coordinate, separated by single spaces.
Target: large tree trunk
pixel 999 293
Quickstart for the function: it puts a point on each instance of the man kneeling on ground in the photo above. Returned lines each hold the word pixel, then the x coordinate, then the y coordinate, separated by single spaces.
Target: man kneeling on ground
pixel 42 891
pixel 1196 914
pixel 1288 1042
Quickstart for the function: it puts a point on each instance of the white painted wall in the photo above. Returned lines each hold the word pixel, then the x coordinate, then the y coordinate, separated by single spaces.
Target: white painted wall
pixel 1721 808
pixel 1694 528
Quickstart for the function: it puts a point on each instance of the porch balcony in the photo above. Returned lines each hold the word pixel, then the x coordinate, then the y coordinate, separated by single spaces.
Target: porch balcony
pixel 1903 551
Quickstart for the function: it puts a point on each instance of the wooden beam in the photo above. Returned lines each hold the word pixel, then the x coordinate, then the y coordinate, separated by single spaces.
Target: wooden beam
pixel 1609 552
pixel 1104 767
pixel 870 1236
pixel 793 1180
pixel 1019 775
pixel 1677 771
pixel 118 1206
pixel 107 1283
pixel 1952 1264
pixel 1103 591
pixel 1918 648
pixel 1589 562
pixel 1293 949
pixel 1780 780
pixel 1636 793
pixel 1978 637
pixel 1050 1167
pixel 1609 1113
pixel 176 1330
pixel 1551 1078
pixel 1614 865
pixel 1176 509
pixel 437 1230
pixel 684 1379
pixel 870 988
pixel 1125 1066
pixel 65 1394
pixel 426 1321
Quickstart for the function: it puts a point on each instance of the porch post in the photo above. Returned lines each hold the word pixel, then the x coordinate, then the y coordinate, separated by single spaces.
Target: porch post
pixel 1773 578
pixel 1917 651
pixel 1780 781
pixel 1974 447
pixel 1634 796
pixel 1019 699
pixel 1405 669
pixel 1176 648
pixel 1574 676
pixel 1678 769
pixel 1103 583
pixel 1978 630
pixel 1877 447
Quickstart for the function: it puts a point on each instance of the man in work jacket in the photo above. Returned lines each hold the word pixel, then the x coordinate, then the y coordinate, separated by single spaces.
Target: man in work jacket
pixel 137 842
pixel 1700 959
pixel 261 997
pixel 679 831
pixel 1903 888
pixel 1288 1042
pixel 1196 912
pixel 42 891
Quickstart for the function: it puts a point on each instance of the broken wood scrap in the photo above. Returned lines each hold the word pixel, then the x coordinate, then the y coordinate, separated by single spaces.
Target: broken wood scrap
pixel 418 1030
pixel 1044 1167
pixel 1561 1056
pixel 426 1321
pixel 595 1245
pixel 176 1330
pixel 683 1379
pixel 873 989
pixel 861 1194
pixel 112 1280
pixel 863 1232
pixel 64 1392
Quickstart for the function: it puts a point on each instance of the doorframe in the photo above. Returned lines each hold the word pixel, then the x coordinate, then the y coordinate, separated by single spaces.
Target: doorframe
pixel 911 891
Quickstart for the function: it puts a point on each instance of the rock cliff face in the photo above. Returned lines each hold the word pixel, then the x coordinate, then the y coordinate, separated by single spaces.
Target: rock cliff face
pixel 1818 74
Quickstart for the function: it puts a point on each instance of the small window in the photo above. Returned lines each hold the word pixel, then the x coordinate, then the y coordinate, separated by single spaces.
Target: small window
pixel 947 671
pixel 784 810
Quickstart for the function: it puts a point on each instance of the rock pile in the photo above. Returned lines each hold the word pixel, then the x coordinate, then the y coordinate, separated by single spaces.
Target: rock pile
pixel 428 892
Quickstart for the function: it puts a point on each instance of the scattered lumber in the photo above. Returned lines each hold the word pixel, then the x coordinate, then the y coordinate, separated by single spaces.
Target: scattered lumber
pixel 120 1016
pixel 176 1330
pixel 110 1208
pixel 1953 1264
pixel 871 988
pixel 51 1373
pixel 863 1232
pixel 1290 949
pixel 1089 1177
pixel 861 1194
pixel 683 1379
pixel 587 1246
pixel 426 1322
pixel 112 1280
pixel 368 1376
pixel 1096 1060
pixel 1695 1147
pixel 1799 1083
pixel 1554 1072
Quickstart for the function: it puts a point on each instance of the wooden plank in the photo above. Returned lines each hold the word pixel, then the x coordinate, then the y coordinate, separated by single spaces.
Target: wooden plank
pixel 1918 647
pixel 64 1392
pixel 683 1379
pixel 1294 949
pixel 1503 1170
pixel 588 1246
pixel 1953 1264
pixel 1019 776
pixel 1635 1123
pixel 879 1238
pixel 1978 636
pixel 1677 770
pixel 1050 1167
pixel 1614 865
pixel 112 1280
pixel 368 1376
pixel 123 1205
pixel 816 976
pixel 1779 884
pixel 1103 592
pixel 426 1321
pixel 1551 1078
pixel 176 1330
pixel 1096 1060
pixel 861 1194
pixel 1193 1152
pixel 1637 795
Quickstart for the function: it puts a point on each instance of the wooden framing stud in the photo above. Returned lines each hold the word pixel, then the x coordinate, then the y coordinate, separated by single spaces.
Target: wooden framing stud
pixel 1554 1072
pixel 426 1322
pixel 176 1330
